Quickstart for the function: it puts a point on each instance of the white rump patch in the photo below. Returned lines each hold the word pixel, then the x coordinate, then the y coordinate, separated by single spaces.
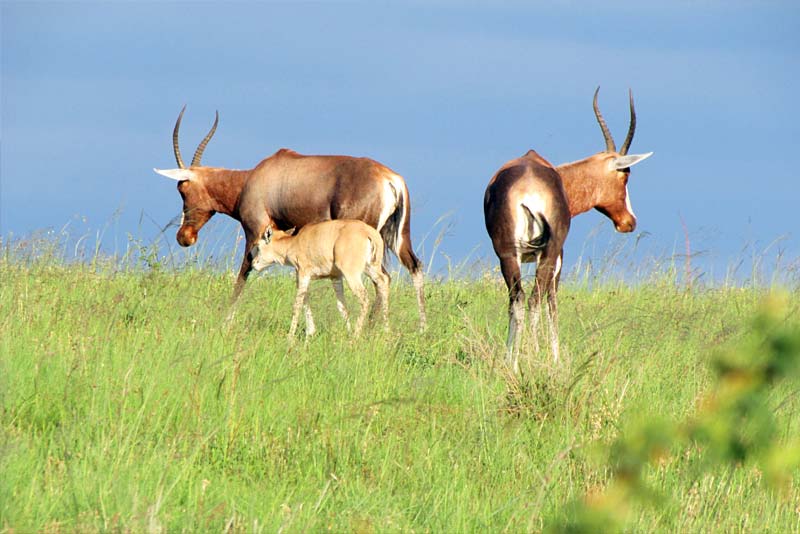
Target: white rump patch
pixel 393 191
pixel 388 202
pixel 522 228
pixel 177 174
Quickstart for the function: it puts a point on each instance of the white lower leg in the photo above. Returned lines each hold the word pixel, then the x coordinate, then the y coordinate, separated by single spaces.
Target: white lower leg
pixel 361 294
pixel 418 286
pixel 340 302
pixel 302 288
pixel 515 320
pixel 383 294
pixel 311 328
pixel 552 319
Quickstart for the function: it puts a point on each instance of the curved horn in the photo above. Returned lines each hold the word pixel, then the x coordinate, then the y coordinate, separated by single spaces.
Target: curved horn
pixel 610 146
pixel 631 129
pixel 175 146
pixel 202 146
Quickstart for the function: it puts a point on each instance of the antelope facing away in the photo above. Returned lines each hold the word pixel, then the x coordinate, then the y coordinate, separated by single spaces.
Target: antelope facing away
pixel 331 249
pixel 527 207
pixel 290 190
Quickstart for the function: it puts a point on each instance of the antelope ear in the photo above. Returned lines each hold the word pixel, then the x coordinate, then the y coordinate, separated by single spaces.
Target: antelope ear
pixel 177 174
pixel 624 162
pixel 291 231
pixel 267 234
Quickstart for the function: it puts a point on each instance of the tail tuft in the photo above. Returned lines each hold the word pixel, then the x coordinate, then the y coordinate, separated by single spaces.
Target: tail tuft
pixel 390 232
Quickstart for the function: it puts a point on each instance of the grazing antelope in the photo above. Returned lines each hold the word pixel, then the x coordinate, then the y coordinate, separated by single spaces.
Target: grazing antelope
pixel 290 190
pixel 527 207
pixel 332 249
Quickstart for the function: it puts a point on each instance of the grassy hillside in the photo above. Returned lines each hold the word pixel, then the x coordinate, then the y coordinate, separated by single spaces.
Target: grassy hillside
pixel 127 403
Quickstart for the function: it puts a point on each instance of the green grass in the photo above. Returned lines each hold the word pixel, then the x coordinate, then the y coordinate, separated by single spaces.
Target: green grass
pixel 127 403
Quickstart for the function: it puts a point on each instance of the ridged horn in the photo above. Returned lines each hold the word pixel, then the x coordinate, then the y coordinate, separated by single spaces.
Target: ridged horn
pixel 202 146
pixel 175 146
pixel 610 146
pixel 631 129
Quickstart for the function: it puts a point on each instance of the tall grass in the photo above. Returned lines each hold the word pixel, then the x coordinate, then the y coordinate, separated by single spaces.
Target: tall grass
pixel 128 403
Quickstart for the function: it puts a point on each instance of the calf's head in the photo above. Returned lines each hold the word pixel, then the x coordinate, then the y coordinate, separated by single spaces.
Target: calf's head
pixel 263 253
pixel 198 204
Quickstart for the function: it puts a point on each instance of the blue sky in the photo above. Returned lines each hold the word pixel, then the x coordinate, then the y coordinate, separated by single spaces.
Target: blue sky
pixel 442 92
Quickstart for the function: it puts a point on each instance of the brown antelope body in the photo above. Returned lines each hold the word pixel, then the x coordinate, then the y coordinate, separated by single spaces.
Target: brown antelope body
pixel 528 206
pixel 290 190
pixel 332 249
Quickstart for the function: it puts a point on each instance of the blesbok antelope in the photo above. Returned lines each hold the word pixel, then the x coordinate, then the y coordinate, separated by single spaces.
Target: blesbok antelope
pixel 528 206
pixel 334 249
pixel 290 190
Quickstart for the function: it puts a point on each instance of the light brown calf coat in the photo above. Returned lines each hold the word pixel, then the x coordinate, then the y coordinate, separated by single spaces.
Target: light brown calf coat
pixel 332 249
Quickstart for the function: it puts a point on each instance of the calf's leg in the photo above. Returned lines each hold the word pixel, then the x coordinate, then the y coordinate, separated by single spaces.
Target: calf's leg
pixel 299 301
pixel 338 288
pixel 357 287
pixel 381 282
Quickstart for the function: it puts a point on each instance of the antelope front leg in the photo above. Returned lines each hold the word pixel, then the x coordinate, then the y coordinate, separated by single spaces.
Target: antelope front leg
pixel 244 271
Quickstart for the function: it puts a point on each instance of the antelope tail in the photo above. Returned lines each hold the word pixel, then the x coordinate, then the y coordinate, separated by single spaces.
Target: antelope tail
pixel 538 228
pixel 392 230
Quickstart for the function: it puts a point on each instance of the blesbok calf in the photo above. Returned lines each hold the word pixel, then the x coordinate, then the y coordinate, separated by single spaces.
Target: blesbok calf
pixel 528 206
pixel 332 249
pixel 290 190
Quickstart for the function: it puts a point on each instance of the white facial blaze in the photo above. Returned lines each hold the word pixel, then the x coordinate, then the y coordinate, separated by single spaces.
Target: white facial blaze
pixel 628 202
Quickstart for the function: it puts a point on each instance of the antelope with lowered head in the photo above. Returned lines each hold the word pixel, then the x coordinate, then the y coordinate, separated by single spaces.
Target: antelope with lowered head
pixel 290 190
pixel 332 249
pixel 527 208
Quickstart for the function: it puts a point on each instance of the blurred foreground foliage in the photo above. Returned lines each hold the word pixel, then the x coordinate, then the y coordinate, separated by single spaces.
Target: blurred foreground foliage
pixel 734 424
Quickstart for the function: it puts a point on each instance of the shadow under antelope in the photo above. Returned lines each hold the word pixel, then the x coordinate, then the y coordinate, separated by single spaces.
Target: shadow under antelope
pixel 290 190
pixel 527 208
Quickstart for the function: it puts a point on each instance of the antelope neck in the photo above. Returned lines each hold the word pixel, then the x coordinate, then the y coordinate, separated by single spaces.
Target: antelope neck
pixel 581 189
pixel 225 187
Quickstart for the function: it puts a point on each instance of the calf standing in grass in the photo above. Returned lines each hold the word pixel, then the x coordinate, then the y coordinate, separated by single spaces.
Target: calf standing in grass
pixel 341 248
